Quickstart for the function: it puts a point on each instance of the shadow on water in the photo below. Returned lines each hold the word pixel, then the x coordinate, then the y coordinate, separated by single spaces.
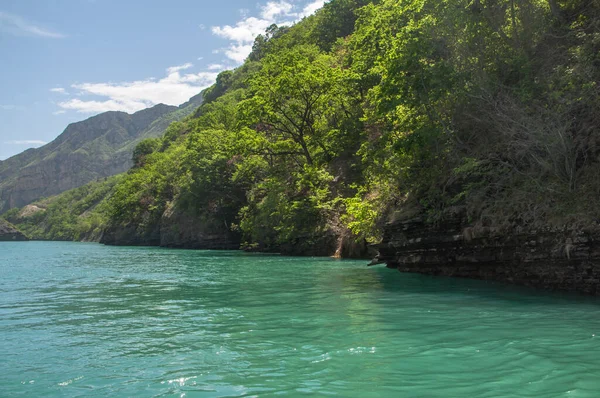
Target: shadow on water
pixel 354 275
pixel 401 283
pixel 188 274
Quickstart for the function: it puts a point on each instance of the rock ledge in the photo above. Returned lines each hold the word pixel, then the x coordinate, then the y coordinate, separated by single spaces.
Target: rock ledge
pixel 554 259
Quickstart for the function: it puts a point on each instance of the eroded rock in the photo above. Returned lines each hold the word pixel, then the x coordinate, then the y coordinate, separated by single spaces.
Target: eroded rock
pixel 556 259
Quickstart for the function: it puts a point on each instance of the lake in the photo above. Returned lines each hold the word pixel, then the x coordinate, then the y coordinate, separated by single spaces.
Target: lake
pixel 87 320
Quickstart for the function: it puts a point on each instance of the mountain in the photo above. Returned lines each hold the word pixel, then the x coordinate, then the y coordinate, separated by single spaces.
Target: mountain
pixel 97 147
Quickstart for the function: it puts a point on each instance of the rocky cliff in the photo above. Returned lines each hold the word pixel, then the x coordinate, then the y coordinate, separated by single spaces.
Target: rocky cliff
pixel 176 229
pixel 9 233
pixel 100 146
pixel 550 258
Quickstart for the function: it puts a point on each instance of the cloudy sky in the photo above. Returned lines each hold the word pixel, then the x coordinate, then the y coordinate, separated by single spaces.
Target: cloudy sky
pixel 64 61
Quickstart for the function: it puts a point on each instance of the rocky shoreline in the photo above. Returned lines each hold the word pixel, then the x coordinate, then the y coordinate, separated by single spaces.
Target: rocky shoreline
pixel 9 233
pixel 553 259
pixel 566 259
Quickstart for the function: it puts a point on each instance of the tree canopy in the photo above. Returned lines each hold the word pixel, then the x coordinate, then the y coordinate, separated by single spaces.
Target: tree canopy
pixel 335 123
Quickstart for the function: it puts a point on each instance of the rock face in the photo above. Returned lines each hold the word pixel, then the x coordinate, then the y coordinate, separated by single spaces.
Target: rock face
pixel 100 146
pixel 10 233
pixel 180 230
pixel 330 244
pixel 551 259
pixel 176 229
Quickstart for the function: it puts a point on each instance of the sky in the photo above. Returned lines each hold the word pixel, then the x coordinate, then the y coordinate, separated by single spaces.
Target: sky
pixel 62 61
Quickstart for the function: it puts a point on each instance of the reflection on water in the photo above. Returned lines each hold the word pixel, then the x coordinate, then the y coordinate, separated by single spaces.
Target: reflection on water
pixel 89 320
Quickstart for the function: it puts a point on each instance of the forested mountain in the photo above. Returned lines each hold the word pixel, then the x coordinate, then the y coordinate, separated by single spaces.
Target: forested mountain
pixel 98 147
pixel 372 111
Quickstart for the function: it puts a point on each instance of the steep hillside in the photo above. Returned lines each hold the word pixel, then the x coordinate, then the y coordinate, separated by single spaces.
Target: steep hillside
pixel 332 126
pixel 9 233
pixel 75 215
pixel 98 147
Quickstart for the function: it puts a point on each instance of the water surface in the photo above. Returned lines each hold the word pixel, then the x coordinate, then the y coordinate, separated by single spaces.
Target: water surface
pixel 89 320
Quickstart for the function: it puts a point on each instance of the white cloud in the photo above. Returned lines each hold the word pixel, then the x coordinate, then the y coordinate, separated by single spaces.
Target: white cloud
pixel 15 25
pixel 242 34
pixel 310 8
pixel 217 67
pixel 62 111
pixel 174 89
pixel 180 84
pixel 274 9
pixel 91 106
pixel 238 53
pixel 59 90
pixel 25 142
pixel 244 31
pixel 175 69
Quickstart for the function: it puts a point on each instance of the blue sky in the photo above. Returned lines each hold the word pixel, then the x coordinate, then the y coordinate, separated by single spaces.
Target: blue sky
pixel 66 60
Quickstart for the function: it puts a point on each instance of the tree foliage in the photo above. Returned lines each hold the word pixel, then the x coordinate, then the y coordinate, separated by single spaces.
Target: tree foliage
pixel 335 123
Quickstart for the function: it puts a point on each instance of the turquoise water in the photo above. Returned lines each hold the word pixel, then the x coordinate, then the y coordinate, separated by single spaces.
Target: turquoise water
pixel 88 320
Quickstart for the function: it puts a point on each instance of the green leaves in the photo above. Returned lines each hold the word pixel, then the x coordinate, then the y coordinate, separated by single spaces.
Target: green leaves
pixel 293 96
pixel 279 211
pixel 143 149
pixel 78 214
pixel 335 121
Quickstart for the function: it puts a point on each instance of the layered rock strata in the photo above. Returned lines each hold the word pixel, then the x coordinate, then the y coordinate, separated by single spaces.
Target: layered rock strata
pixel 555 259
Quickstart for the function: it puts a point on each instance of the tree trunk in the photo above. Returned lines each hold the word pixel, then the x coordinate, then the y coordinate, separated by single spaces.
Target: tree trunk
pixel 555 8
pixel 305 150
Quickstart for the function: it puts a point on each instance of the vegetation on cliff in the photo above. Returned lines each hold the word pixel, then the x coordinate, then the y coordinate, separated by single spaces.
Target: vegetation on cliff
pixel 78 214
pixel 332 124
pixel 9 232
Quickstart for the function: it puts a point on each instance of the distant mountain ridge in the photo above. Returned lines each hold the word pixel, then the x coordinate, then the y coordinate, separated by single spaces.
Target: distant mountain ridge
pixel 97 147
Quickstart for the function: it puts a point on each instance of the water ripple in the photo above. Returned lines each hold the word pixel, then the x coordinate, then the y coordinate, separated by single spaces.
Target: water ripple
pixel 87 320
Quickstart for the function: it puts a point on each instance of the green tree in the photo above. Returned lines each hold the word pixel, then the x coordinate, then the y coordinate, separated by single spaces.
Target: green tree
pixel 143 149
pixel 293 96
